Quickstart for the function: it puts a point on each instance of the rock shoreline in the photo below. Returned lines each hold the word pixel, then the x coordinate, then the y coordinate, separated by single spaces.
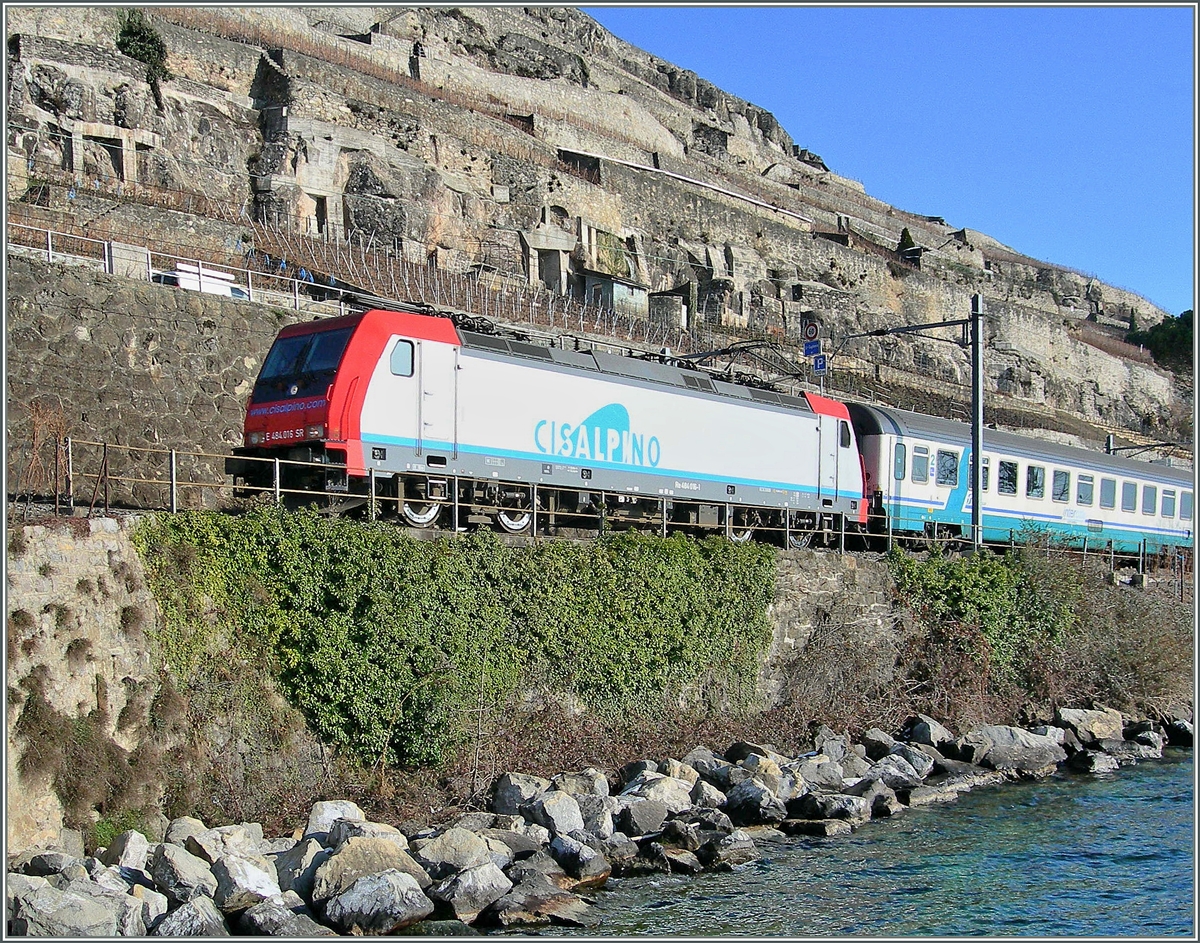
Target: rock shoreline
pixel 533 857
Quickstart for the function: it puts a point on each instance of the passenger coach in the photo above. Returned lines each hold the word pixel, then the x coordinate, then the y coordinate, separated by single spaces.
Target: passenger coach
pixel 918 482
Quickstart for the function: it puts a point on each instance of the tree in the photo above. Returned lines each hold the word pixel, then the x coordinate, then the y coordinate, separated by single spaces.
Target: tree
pixel 1169 342
pixel 139 40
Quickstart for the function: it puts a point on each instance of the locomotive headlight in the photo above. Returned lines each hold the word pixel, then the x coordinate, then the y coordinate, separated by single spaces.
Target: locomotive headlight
pixel 254 438
pixel 316 431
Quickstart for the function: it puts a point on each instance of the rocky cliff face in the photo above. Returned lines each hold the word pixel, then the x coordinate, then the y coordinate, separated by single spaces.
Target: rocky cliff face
pixel 531 142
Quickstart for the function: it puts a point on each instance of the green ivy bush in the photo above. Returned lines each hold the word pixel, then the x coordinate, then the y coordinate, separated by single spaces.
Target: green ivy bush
pixel 393 647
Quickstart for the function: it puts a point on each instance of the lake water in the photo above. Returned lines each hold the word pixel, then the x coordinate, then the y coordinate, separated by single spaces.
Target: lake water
pixel 1104 855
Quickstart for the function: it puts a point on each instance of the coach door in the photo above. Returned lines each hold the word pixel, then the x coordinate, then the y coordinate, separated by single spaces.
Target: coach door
pixel 437 425
pixel 828 473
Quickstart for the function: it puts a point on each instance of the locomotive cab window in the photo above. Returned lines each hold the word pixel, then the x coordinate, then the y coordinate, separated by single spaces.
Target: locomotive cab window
pixel 1129 496
pixel 1168 504
pixel 1108 493
pixel 402 359
pixel 947 468
pixel 1185 506
pixel 1084 490
pixel 1060 489
pixel 1149 499
pixel 900 462
pixel 300 365
pixel 845 433
pixel 1007 478
pixel 920 464
pixel 1035 481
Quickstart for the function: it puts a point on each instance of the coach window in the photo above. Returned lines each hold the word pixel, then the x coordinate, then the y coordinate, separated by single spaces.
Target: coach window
pixel 402 359
pixel 983 477
pixel 1084 490
pixel 1129 496
pixel 920 471
pixel 1149 499
pixel 1007 478
pixel 1108 493
pixel 1060 489
pixel 1168 505
pixel 1035 481
pixel 1185 506
pixel 900 462
pixel 947 468
pixel 845 433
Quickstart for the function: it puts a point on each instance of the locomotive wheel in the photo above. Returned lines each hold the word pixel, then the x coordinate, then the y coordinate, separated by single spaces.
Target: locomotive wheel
pixel 420 514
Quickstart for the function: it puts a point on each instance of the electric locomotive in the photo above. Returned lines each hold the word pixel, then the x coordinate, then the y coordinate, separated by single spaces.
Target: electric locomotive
pixel 448 427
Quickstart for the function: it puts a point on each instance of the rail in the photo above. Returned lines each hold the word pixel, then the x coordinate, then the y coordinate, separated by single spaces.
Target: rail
pixel 88 477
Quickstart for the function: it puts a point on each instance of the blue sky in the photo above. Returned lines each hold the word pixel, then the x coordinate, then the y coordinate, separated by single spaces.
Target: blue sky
pixel 1065 132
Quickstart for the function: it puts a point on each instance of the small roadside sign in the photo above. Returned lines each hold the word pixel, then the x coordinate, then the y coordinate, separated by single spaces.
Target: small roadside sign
pixel 810 330
pixel 812 348
pixel 820 365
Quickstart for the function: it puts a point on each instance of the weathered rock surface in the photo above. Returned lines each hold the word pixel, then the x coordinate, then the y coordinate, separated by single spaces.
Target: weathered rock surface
pixel 379 903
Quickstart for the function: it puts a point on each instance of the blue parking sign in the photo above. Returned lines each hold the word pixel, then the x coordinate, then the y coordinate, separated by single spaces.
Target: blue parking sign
pixel 812 348
pixel 820 364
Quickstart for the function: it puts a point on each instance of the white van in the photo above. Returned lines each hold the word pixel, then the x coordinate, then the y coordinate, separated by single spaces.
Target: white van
pixel 194 278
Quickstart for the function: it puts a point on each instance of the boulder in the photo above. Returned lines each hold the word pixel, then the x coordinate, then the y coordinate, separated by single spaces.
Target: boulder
pixel 921 762
pixel 740 749
pixel 126 909
pixel 1011 750
pixel 632 770
pixel 896 772
pixel 513 790
pixel 924 729
pixel 359 857
pixel 40 862
pixel 820 772
pixel 588 866
pixel 820 828
pixel 753 803
pixel 519 846
pixel 620 851
pixel 296 867
pixel 197 917
pixel 1148 738
pixel 829 805
pixel 128 850
pixel 535 903
pixel 1093 761
pixel 590 781
pixel 677 770
pixel 705 763
pixel 215 843
pixel 179 874
pixel 475 821
pixel 154 905
pixel 379 903
pixel 343 829
pixel 706 795
pixel 880 798
pixel 597 812
pixel 537 833
pixel 180 829
pixel 243 882
pixel 675 794
pixel 682 861
pixel 831 744
pixel 471 891
pixel 765 770
pixel 853 766
pixel 453 850
pixel 728 851
pixel 325 813
pixel 499 851
pixel 556 811
pixel 283 915
pixel 877 743
pixel 679 833
pixel 1179 733
pixel 641 816
pixel 708 819
pixel 1129 751
pixel 543 866
pixel 1092 726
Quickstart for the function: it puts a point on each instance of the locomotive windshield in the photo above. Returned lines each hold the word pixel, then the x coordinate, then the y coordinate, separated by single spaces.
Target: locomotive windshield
pixel 301 365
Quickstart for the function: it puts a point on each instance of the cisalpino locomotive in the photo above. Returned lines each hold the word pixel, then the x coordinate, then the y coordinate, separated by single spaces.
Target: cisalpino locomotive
pixel 446 427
